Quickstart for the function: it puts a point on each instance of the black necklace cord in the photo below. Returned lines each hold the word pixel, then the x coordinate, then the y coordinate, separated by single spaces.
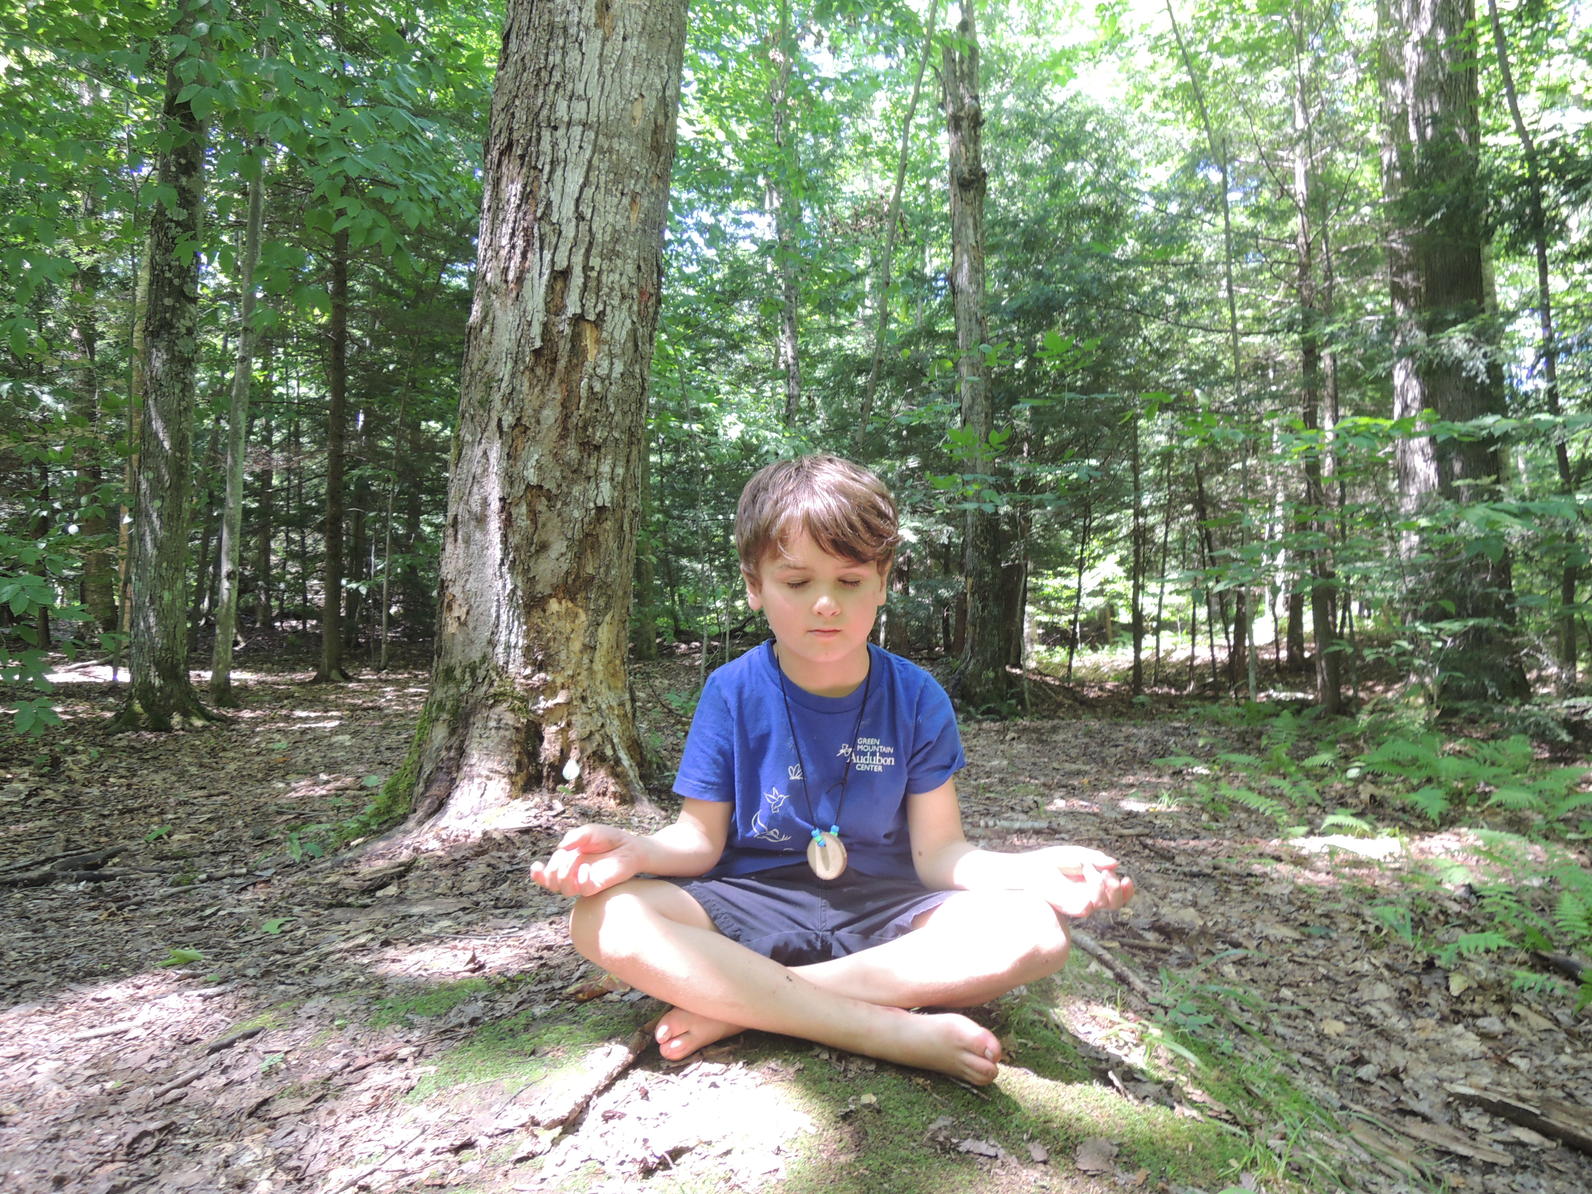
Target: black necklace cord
pixel 845 775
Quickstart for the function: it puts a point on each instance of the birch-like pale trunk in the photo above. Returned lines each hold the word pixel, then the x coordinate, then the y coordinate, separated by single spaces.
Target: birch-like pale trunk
pixel 237 434
pixel 529 690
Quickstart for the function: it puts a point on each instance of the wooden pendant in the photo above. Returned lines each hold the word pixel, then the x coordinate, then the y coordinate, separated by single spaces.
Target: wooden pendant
pixel 826 854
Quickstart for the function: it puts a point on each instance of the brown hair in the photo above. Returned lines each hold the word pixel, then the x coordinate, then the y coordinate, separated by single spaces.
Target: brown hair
pixel 845 508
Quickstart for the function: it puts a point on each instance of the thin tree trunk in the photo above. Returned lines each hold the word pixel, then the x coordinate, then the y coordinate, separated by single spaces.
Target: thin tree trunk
pixel 331 666
pixel 1136 582
pixel 237 442
pixel 204 513
pixel 1547 344
pixel 1322 579
pixel 784 204
pixel 1219 154
pixel 267 513
pixel 891 221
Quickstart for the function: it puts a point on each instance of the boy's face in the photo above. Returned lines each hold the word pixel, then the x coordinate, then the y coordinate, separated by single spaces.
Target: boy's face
pixel 821 610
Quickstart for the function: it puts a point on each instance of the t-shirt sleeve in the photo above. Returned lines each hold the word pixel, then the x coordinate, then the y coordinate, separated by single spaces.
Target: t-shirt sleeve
pixel 937 745
pixel 707 764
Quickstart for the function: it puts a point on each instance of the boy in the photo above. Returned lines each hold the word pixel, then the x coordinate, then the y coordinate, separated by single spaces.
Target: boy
pixel 819 744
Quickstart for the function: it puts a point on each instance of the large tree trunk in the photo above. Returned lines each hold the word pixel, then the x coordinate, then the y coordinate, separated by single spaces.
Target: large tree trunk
pixel 160 695
pixel 237 428
pixel 983 680
pixel 1442 360
pixel 528 687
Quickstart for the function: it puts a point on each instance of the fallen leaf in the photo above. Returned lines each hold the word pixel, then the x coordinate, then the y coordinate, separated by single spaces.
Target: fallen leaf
pixel 1096 1155
pixel 981 1148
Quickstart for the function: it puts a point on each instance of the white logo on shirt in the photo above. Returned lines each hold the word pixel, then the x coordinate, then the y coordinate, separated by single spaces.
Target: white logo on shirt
pixel 871 755
pixel 773 802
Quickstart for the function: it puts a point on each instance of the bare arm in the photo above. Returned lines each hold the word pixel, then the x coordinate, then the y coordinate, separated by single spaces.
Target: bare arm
pixel 1075 880
pixel 592 858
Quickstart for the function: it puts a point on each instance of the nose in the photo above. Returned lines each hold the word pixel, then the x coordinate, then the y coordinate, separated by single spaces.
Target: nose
pixel 826 605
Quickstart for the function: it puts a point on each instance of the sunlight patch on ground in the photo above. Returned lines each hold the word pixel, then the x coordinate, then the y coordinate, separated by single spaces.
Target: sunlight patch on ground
pixel 1328 844
pixel 97 1034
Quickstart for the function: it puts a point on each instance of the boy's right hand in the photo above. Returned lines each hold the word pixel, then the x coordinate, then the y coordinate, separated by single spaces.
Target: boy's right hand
pixel 590 859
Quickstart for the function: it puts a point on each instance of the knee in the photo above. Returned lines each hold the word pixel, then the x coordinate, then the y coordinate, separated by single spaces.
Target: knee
pixel 594 919
pixel 1026 931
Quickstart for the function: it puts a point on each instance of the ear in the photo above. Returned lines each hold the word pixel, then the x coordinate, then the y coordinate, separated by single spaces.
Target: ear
pixel 884 582
pixel 754 589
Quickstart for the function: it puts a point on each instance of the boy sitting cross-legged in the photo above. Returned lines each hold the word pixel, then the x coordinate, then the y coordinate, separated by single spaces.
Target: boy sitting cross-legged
pixel 816 882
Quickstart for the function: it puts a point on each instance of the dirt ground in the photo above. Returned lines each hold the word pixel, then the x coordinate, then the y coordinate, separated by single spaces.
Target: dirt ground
pixel 191 998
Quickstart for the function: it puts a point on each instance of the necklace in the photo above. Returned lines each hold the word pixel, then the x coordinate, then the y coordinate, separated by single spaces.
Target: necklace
pixel 826 853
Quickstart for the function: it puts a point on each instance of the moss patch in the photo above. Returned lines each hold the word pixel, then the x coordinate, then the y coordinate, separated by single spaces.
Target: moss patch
pixel 529 1049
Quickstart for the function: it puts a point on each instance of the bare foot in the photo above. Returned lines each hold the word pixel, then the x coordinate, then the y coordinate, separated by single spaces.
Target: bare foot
pixel 680 1033
pixel 947 1042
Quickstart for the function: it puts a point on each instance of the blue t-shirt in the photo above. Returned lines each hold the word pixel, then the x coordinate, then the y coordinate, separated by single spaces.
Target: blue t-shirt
pixel 739 750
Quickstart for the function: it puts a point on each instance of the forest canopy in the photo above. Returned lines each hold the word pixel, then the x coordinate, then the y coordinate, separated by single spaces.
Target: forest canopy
pixel 1239 420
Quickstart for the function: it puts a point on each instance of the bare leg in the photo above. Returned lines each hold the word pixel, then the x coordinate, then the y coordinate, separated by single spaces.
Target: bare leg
pixel 967 951
pixel 972 948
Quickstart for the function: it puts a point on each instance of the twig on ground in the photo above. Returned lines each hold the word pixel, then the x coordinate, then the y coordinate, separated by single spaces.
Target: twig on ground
pixel 1118 971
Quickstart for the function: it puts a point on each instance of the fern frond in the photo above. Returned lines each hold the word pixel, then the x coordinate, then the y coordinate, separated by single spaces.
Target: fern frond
pixel 1430 800
pixel 1517 797
pixel 1249 798
pixel 1342 820
pixel 1470 944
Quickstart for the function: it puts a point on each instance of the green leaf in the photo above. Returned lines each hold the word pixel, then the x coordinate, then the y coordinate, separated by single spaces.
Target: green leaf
pixel 182 957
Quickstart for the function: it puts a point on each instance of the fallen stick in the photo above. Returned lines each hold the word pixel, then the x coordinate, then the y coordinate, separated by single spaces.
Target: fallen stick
pixel 1118 971
pixel 1554 1118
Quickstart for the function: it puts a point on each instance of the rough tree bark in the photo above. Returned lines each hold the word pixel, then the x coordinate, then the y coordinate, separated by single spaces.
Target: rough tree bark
pixel 982 680
pixel 528 686
pixel 160 695
pixel 1442 362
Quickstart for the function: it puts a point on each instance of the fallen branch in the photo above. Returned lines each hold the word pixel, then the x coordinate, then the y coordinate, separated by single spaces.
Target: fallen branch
pixel 71 866
pixel 233 1038
pixel 1118 971
pixel 1554 1118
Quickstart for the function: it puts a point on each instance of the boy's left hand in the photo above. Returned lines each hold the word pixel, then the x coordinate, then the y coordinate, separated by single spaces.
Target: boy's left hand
pixel 1075 880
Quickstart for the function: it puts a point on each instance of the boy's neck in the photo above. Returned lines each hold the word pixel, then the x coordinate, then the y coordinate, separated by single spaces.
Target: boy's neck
pixel 838 679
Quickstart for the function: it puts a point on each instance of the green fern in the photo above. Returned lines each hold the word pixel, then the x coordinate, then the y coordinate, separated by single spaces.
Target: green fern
pixel 1261 803
pixel 1430 800
pixel 1343 820
pixel 1470 944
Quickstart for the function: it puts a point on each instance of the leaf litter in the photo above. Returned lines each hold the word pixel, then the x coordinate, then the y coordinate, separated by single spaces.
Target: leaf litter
pixel 193 998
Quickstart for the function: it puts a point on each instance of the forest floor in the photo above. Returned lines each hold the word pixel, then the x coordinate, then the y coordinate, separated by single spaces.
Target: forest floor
pixel 214 1006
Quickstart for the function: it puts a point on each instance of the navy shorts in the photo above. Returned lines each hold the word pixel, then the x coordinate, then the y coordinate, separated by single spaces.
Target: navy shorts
pixel 789 914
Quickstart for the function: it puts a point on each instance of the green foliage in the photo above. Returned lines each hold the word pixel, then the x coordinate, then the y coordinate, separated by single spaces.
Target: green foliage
pixel 181 957
pixel 32 580
pixel 1439 777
